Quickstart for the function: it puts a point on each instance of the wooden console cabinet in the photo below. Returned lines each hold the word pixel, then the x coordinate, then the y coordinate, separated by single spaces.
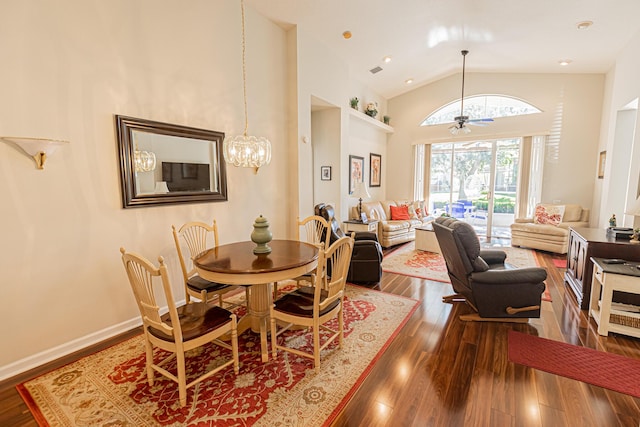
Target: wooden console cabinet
pixel 585 243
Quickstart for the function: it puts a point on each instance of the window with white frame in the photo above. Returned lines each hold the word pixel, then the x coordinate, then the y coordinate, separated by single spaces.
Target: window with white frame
pixel 481 107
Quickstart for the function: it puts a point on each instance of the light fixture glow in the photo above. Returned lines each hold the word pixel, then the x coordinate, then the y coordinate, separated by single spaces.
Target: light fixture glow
pixel 459 128
pixel 244 150
pixel 38 148
pixel 387 59
pixel 584 25
pixel 408 81
pixel 145 161
pixel 564 62
pixel 347 35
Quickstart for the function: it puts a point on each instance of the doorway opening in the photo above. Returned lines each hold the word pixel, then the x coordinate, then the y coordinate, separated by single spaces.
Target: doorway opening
pixel 476 182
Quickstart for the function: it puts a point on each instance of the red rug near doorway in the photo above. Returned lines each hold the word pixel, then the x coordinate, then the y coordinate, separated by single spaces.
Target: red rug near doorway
pixel 560 262
pixel 607 370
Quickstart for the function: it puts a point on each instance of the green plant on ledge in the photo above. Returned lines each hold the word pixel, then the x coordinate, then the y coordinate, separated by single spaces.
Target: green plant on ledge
pixel 354 103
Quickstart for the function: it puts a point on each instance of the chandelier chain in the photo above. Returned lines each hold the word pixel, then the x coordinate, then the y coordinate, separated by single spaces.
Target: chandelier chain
pixel 244 73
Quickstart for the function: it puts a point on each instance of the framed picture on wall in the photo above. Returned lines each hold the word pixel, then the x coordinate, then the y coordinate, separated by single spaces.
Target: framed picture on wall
pixel 375 169
pixel 602 160
pixel 325 173
pixel 356 171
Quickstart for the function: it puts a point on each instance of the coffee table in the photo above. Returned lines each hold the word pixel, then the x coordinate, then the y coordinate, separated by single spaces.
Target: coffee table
pixel 426 239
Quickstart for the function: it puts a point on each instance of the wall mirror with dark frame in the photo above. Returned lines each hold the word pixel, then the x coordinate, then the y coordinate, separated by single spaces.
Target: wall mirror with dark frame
pixel 162 163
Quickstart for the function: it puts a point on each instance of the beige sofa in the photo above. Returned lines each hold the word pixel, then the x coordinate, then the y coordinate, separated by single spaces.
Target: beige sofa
pixel 393 232
pixel 553 238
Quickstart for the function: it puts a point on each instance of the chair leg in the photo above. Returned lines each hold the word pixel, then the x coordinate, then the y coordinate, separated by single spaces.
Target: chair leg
pixel 274 350
pixel 149 355
pixel 234 348
pixel 340 325
pixel 182 377
pixel 316 347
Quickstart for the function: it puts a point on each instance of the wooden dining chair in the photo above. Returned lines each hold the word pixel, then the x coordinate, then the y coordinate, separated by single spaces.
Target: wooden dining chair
pixel 314 229
pixel 199 237
pixel 313 307
pixel 181 329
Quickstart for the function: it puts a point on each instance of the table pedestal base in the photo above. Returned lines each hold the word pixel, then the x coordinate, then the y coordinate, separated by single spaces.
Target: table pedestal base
pixel 257 318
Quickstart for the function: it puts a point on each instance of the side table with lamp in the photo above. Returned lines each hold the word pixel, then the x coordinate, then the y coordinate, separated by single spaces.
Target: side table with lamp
pixel 361 223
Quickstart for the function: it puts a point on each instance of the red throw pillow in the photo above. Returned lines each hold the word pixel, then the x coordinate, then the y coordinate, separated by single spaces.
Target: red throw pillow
pixel 399 212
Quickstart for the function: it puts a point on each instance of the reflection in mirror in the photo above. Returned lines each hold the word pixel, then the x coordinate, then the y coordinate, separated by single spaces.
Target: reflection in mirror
pixel 162 163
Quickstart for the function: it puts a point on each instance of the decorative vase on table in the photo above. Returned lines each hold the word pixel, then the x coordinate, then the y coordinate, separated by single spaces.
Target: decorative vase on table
pixel 261 235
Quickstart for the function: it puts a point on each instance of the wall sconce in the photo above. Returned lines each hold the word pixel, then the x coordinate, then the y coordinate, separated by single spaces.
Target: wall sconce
pixel 38 148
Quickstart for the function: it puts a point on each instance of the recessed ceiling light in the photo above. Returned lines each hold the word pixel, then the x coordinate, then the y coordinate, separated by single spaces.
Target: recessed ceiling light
pixel 408 81
pixel 387 59
pixel 564 62
pixel 347 35
pixel 584 25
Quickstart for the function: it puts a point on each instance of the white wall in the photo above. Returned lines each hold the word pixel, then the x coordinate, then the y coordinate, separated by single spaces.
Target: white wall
pixel 323 75
pixel 325 138
pixel 622 88
pixel 571 106
pixel 69 66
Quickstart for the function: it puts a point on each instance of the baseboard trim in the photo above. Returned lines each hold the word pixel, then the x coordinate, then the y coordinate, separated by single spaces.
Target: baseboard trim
pixel 54 353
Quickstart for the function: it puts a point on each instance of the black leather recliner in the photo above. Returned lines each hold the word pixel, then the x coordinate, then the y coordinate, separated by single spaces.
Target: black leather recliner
pixel 366 258
pixel 491 287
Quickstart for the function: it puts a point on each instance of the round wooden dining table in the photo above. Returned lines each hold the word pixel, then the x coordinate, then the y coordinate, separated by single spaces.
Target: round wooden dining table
pixel 236 264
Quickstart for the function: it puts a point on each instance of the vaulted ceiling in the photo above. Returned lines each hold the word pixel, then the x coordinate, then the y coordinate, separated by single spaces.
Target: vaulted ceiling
pixel 424 37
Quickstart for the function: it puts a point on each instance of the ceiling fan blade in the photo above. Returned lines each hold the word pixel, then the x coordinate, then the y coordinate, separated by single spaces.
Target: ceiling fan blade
pixel 480 122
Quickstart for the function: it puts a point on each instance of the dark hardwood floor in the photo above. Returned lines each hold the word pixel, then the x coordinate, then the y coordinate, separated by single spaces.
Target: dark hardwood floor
pixel 441 371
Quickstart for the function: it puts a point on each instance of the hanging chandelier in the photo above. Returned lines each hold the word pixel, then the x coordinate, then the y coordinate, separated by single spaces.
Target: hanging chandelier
pixel 245 150
pixel 145 161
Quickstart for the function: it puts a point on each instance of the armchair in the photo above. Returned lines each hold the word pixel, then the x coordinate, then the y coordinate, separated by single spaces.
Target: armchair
pixel 366 258
pixel 496 290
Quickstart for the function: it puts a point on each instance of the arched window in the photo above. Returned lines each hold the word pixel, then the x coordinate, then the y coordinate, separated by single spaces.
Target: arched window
pixel 481 107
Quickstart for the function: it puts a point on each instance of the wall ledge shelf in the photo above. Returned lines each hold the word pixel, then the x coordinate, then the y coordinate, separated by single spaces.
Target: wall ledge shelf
pixel 370 120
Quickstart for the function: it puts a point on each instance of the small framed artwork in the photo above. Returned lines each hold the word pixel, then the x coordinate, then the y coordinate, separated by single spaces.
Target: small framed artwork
pixel 601 162
pixel 325 173
pixel 356 171
pixel 375 169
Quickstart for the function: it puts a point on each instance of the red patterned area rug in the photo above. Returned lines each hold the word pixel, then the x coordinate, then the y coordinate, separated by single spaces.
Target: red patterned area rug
pixel 110 387
pixel 408 261
pixel 560 262
pixel 607 370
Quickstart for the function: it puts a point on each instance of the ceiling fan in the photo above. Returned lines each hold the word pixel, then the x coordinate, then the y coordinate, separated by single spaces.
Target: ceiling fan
pixel 461 121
